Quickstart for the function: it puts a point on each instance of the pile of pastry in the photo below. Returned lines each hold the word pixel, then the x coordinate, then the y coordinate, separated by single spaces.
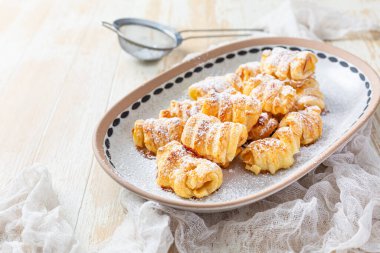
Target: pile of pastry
pixel 263 112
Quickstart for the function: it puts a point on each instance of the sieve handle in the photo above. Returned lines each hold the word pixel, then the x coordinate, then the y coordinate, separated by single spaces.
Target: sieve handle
pixel 110 26
pixel 113 28
pixel 220 34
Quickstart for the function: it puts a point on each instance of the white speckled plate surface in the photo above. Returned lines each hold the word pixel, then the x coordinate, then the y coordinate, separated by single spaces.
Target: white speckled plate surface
pixel 351 91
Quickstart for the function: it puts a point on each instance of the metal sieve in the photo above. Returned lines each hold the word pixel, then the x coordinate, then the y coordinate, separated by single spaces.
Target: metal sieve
pixel 149 41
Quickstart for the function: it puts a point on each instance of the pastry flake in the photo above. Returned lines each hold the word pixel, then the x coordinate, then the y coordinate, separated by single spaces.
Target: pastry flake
pixel 271 154
pixel 309 94
pixel 276 97
pixel 264 127
pixel 187 175
pixel 181 109
pixel 285 64
pixel 306 123
pixel 248 70
pixel 232 106
pixel 277 152
pixel 214 83
pixel 210 138
pixel 155 133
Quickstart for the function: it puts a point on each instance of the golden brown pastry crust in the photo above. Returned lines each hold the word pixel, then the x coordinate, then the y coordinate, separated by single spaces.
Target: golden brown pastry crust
pixel 285 64
pixel 275 96
pixel 271 154
pixel 214 83
pixel 210 138
pixel 181 109
pixel 155 133
pixel 187 175
pixel 225 112
pixel 309 94
pixel 264 127
pixel 232 106
pixel 307 124
pixel 274 153
pixel 248 70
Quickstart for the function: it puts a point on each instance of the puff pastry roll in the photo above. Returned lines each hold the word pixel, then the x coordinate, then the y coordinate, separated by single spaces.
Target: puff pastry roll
pixel 285 64
pixel 210 138
pixel 307 124
pixel 264 127
pixel 271 154
pixel 181 109
pixel 275 96
pixel 295 129
pixel 187 175
pixel 154 133
pixel 232 106
pixel 248 70
pixel 214 83
pixel 309 94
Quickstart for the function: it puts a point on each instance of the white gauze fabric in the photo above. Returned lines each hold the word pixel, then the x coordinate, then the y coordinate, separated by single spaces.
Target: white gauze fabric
pixel 30 216
pixel 306 19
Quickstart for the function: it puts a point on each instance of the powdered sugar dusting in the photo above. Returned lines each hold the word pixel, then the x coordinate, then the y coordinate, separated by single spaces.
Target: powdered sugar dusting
pixel 279 57
pixel 275 95
pixel 248 70
pixel 182 109
pixel 285 64
pixel 217 83
pixel 344 110
pixel 161 131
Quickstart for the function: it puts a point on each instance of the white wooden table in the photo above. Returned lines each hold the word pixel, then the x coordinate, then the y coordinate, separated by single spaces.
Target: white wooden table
pixel 60 70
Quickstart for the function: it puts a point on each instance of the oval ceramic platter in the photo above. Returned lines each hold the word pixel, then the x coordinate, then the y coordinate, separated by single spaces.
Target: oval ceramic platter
pixel 351 91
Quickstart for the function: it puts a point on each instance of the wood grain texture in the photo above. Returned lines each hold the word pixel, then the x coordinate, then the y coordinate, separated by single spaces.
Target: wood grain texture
pixel 60 71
